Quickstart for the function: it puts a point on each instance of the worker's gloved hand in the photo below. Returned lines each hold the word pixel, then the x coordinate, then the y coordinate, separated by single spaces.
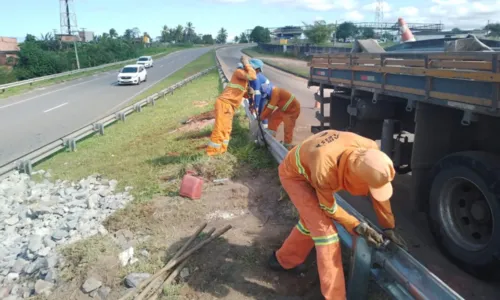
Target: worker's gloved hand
pixel 373 237
pixel 395 238
pixel 244 60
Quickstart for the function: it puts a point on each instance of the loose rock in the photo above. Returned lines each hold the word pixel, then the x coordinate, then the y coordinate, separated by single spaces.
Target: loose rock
pixel 43 287
pixel 90 285
pixel 37 217
pixel 134 279
pixel 103 292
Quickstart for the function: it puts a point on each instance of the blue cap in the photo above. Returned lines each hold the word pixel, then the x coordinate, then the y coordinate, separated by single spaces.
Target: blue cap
pixel 240 66
pixel 256 63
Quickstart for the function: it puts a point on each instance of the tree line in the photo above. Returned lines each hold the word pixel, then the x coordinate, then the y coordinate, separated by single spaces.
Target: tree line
pixel 47 55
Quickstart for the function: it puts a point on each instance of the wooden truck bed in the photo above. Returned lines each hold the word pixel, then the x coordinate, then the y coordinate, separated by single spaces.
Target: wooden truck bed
pixel 465 80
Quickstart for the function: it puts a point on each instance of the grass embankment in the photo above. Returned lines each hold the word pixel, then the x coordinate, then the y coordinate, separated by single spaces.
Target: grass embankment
pixel 151 152
pixel 205 61
pixel 157 53
pixel 144 148
pixel 285 62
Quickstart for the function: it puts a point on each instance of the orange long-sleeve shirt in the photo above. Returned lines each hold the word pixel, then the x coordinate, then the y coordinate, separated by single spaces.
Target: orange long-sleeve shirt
pixel 237 86
pixel 280 99
pixel 319 161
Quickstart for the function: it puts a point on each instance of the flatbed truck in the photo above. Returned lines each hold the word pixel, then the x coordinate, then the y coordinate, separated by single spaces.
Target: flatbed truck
pixel 437 116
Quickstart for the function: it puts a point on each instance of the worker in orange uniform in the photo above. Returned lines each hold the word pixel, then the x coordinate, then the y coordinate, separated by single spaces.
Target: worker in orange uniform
pixel 311 173
pixel 225 106
pixel 282 107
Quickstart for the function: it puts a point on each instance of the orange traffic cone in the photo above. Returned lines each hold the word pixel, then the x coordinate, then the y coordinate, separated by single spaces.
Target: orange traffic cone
pixel 406 34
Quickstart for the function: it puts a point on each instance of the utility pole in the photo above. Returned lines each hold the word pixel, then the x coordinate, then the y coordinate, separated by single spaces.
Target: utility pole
pixel 76 54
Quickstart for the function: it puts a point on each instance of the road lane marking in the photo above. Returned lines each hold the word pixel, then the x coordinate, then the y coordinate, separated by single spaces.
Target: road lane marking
pixel 161 66
pixel 48 93
pixel 55 107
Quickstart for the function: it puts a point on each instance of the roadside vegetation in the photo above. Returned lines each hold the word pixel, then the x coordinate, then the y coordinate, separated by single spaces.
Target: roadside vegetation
pixel 205 61
pixel 151 152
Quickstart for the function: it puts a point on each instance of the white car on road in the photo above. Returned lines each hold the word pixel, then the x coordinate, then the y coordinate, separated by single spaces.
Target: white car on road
pixel 147 61
pixel 132 74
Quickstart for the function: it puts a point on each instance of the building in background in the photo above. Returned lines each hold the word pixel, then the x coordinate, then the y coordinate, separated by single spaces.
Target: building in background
pixel 86 36
pixel 8 50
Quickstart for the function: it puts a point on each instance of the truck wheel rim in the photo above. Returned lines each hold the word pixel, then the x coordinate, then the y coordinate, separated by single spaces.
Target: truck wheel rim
pixel 466 214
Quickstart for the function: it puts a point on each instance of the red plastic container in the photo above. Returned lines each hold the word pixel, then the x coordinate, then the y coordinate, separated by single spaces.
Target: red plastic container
pixel 191 186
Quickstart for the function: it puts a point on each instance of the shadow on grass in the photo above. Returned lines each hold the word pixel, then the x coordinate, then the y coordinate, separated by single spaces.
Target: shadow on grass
pixel 175 158
pixel 203 133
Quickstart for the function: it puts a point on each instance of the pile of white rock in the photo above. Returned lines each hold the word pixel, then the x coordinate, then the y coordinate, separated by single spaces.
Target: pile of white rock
pixel 37 217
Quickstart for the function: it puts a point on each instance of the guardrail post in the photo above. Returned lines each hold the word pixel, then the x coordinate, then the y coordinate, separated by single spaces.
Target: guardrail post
pixel 138 107
pixel 120 116
pixel 359 273
pixel 70 144
pixel 99 127
pixel 151 101
pixel 25 167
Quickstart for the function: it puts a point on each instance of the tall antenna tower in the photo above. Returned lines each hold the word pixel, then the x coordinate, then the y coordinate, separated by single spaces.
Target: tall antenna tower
pixel 379 11
pixel 68 17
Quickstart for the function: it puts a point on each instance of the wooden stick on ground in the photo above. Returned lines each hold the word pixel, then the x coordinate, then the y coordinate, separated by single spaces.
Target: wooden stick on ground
pixel 158 282
pixel 187 244
pixel 174 273
pixel 176 261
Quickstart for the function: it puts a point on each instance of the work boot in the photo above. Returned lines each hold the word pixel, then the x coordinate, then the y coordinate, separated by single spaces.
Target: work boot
pixel 275 266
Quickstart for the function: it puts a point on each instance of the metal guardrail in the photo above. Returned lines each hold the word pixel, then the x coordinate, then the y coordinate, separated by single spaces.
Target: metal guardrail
pixel 4 87
pixel 393 269
pixel 25 162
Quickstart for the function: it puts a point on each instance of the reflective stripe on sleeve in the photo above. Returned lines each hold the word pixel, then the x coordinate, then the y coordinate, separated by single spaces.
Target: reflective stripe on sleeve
pixel 213 145
pixel 236 86
pixel 225 142
pixel 330 210
pixel 301 169
pixel 288 103
pixel 271 106
pixel 302 229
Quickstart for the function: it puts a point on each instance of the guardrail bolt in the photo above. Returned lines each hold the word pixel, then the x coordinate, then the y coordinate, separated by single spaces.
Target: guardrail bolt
pixel 99 127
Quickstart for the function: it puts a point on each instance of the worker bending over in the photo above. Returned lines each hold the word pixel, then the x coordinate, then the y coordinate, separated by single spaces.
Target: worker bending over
pixel 282 107
pixel 311 173
pixel 225 106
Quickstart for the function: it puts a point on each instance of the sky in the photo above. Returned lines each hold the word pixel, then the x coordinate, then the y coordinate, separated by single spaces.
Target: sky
pixel 208 16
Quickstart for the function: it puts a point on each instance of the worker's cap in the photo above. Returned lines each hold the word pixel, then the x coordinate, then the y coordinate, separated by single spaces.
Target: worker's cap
pixel 376 169
pixel 240 66
pixel 256 63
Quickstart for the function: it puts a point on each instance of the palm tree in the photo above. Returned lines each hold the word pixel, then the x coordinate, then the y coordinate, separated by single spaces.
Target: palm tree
pixel 178 33
pixel 165 34
pixel 221 36
pixel 112 33
pixel 236 39
pixel 189 32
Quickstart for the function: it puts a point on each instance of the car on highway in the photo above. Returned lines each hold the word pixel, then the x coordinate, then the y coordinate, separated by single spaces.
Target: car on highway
pixel 132 74
pixel 147 61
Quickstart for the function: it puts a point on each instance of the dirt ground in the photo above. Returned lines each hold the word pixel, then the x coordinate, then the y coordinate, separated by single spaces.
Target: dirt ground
pixel 232 267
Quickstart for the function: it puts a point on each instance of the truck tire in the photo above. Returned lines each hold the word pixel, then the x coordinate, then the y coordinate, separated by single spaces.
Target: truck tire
pixel 464 210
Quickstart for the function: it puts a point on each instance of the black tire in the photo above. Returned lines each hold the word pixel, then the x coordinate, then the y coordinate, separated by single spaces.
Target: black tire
pixel 145 78
pixel 464 210
pixel 138 81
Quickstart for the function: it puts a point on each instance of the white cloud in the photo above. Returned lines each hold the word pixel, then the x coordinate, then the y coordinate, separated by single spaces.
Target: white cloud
pixel 354 15
pixel 318 5
pixel 386 7
pixel 464 14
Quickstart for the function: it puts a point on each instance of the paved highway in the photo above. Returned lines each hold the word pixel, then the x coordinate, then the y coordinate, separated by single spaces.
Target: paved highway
pixel 411 225
pixel 34 119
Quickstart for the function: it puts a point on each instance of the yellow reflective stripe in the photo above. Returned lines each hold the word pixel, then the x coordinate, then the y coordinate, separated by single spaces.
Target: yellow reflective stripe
pixel 271 106
pixel 249 78
pixel 213 145
pixel 288 103
pixel 326 240
pixel 302 229
pixel 330 210
pixel 225 142
pixel 301 169
pixel 236 86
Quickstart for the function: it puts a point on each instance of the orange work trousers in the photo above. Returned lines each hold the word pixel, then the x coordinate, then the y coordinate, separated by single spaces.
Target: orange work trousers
pixel 288 119
pixel 221 133
pixel 315 229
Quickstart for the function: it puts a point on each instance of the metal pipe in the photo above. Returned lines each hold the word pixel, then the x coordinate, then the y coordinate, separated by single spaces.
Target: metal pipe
pixel 387 141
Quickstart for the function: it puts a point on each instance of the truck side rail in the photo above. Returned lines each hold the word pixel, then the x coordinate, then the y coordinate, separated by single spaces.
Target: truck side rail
pixel 471 78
